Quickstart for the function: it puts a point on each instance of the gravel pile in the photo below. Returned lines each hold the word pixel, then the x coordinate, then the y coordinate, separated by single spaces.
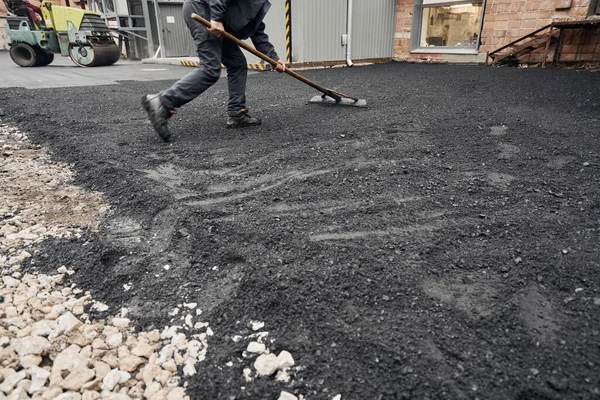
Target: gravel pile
pixel 49 346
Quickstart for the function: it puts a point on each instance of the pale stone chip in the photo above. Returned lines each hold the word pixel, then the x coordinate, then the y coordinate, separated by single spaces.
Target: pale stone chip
pixel 287 396
pixel 285 360
pixel 266 364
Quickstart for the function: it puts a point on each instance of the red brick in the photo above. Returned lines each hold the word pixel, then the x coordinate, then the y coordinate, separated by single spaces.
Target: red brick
pixel 567 57
pixel 529 24
pixel 588 48
pixel 501 25
pixel 514 24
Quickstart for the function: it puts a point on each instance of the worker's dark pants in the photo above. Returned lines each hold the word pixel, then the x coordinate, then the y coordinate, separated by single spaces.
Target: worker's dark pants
pixel 212 51
pixel 33 11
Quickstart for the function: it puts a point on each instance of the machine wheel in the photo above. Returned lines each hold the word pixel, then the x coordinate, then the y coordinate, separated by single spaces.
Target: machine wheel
pixel 94 55
pixel 43 58
pixel 24 55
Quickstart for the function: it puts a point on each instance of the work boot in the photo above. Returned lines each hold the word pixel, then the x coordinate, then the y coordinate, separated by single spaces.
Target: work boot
pixel 239 119
pixel 158 115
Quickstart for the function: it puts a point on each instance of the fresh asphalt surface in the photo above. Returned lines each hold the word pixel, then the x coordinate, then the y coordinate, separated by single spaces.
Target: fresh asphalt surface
pixel 443 243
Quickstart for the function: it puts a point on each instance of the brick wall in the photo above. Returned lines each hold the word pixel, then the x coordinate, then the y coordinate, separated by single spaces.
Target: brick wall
pixel 507 20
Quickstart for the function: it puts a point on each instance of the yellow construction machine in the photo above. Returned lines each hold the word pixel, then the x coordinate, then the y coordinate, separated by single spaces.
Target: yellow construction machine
pixel 79 34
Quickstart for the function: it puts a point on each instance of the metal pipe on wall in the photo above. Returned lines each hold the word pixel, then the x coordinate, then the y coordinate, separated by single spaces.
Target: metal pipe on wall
pixel 349 35
pixel 159 27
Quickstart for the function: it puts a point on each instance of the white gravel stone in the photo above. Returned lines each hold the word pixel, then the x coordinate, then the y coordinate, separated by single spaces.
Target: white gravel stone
pixel 30 361
pixel 179 340
pixel 11 381
pixel 285 360
pixel 130 363
pixel 69 396
pixel 143 349
pixel 18 394
pixel 287 396
pixel 266 364
pixel 67 322
pixel 189 369
pixel 121 322
pixel 255 347
pixel 39 376
pixel 90 395
pixel 177 393
pixel 151 389
pixel 77 378
pixel 43 327
pixel 66 358
pixel 282 376
pixel 99 344
pixel 101 307
pixel 114 378
pixel 35 345
pixel 248 374
pixel 256 325
pixel 114 340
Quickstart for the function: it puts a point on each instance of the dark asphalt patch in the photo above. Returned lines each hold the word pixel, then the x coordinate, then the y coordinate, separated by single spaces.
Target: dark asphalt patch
pixel 413 249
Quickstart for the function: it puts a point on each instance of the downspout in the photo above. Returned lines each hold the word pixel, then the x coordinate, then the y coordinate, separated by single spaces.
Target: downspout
pixel 159 27
pixel 349 35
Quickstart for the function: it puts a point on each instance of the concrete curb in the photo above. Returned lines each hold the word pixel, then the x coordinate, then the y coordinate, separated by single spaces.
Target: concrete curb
pixel 193 62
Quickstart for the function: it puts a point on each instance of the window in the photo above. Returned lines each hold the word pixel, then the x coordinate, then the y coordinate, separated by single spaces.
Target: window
pixel 456 25
pixel 442 26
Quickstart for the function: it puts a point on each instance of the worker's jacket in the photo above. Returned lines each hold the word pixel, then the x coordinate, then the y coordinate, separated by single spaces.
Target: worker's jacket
pixel 244 19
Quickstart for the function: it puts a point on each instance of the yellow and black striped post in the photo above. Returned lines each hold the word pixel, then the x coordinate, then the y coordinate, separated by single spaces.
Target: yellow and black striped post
pixel 288 31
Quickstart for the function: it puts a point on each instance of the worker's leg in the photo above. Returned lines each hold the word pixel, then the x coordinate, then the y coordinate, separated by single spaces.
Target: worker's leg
pixel 237 74
pixel 35 8
pixel 209 52
pixel 31 11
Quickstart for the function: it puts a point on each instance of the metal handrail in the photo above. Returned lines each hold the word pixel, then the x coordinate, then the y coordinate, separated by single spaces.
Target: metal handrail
pixel 518 40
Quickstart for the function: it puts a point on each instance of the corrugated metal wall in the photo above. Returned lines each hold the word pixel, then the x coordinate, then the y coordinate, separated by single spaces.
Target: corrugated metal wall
pixel 317 29
pixel 176 36
pixel 275 23
pixel 373 27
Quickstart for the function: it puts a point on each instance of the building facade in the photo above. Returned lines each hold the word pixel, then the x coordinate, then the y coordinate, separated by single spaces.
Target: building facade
pixel 467 30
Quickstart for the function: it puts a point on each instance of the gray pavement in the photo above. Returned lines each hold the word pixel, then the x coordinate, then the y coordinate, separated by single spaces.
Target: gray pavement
pixel 63 73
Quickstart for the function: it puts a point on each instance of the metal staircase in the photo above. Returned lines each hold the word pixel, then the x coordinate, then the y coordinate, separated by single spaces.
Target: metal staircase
pixel 510 53
pixel 545 37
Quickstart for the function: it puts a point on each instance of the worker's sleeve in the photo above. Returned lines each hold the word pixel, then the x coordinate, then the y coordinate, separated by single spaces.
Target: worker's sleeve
pixel 261 42
pixel 217 9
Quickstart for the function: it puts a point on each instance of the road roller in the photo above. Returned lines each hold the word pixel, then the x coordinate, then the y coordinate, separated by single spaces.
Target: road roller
pixel 78 34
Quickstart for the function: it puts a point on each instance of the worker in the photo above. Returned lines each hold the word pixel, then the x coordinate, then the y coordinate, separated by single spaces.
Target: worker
pixel 35 13
pixel 241 18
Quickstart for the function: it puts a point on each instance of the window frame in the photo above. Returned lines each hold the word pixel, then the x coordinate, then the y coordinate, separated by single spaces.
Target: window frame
pixel 417 24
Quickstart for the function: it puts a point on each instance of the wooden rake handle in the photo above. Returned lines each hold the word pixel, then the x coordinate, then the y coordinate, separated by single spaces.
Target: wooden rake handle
pixel 334 95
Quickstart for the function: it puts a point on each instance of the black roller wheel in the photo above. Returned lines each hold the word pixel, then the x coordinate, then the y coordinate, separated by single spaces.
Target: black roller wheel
pixel 24 55
pixel 94 55
pixel 44 58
